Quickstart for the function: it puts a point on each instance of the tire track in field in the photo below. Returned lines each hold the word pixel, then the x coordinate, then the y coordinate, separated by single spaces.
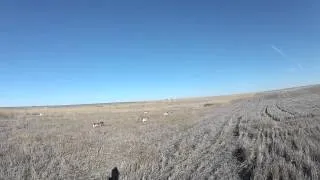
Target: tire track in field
pixel 271 115
pixel 285 111
pixel 278 142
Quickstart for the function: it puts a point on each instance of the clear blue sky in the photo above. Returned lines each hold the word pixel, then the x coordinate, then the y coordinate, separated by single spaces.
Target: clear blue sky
pixel 69 52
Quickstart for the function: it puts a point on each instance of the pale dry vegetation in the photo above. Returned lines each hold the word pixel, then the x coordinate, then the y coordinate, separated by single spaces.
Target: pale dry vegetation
pixel 271 135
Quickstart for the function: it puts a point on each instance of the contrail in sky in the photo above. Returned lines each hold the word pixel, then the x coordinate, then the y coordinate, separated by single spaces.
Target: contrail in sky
pixel 285 56
pixel 279 51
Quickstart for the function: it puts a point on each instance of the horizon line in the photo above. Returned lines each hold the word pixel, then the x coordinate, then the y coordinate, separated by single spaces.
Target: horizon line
pixel 153 100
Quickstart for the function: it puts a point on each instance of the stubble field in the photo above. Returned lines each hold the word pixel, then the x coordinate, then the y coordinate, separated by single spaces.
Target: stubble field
pixel 270 135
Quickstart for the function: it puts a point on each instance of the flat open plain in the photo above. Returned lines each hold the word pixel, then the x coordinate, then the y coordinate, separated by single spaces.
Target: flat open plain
pixel 268 135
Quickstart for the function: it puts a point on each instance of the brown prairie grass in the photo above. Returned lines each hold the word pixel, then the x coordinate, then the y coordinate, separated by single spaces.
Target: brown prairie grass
pixel 272 135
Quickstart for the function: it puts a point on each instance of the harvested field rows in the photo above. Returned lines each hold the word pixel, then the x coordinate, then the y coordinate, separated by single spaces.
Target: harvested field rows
pixel 272 135
pixel 257 138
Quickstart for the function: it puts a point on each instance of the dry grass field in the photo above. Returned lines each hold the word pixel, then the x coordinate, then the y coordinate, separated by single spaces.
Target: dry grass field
pixel 269 135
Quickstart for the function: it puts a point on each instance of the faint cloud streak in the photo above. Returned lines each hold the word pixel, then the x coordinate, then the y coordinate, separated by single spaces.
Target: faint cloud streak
pixel 284 55
pixel 279 51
